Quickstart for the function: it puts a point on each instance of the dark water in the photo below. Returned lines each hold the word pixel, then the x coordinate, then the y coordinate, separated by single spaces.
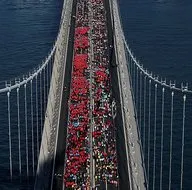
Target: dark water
pixel 27 31
pixel 158 31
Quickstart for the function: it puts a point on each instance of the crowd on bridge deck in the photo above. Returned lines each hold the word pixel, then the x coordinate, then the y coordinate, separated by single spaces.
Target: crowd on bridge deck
pixel 76 175
pixel 104 129
pixel 91 54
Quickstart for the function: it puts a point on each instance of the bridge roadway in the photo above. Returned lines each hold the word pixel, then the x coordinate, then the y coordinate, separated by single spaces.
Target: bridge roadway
pixel 121 149
pixel 132 135
pixel 62 134
pixel 61 141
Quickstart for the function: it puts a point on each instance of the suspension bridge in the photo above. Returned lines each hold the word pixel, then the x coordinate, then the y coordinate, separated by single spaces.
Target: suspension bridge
pixel 148 142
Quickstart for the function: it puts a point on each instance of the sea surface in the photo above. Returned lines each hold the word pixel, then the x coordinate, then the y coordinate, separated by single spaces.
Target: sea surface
pixel 159 33
pixel 28 29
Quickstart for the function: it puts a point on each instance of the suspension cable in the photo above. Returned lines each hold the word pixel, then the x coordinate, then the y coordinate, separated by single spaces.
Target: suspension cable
pixel 32 126
pixel 130 65
pixel 171 139
pixel 44 93
pixel 144 115
pixel 9 123
pixel 154 142
pixel 41 105
pixel 183 141
pixel 162 133
pixel 47 79
pixel 50 66
pixel 137 89
pixel 149 131
pixel 149 75
pixel 19 130
pixel 33 75
pixel 37 116
pixel 134 79
pixel 26 130
pixel 140 98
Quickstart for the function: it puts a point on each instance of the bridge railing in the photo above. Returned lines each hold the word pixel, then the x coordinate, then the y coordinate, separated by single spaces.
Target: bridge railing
pixel 135 166
pixel 51 126
pixel 162 110
pixel 163 115
pixel 23 104
pixel 29 115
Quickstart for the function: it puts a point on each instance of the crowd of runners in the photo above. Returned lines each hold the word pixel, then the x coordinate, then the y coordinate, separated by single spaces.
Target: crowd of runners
pixel 104 130
pixel 91 138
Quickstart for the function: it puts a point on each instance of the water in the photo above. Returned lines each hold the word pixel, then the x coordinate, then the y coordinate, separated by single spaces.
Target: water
pixel 158 31
pixel 28 29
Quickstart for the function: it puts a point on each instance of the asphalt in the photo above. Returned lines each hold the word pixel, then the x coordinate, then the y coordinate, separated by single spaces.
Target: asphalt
pixel 121 151
pixel 61 144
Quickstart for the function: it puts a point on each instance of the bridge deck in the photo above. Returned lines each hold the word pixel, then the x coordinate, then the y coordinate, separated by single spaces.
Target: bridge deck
pixel 61 140
pixel 92 116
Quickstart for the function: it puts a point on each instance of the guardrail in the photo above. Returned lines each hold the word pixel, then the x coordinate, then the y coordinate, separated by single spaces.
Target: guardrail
pixel 51 126
pixel 136 168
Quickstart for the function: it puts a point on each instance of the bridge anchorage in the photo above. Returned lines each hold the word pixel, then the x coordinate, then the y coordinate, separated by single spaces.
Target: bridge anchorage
pixel 91 116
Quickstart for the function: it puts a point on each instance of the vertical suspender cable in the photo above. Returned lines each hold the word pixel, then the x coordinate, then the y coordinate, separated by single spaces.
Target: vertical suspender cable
pixel 37 115
pixel 9 122
pixel 50 66
pixel 130 67
pixel 129 62
pixel 154 141
pixel 26 130
pixel 32 131
pixel 19 131
pixel 41 106
pixel 137 89
pixel 44 92
pixel 140 103
pixel 149 131
pixel 162 133
pixel 48 82
pixel 183 141
pixel 134 80
pixel 144 115
pixel 171 139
